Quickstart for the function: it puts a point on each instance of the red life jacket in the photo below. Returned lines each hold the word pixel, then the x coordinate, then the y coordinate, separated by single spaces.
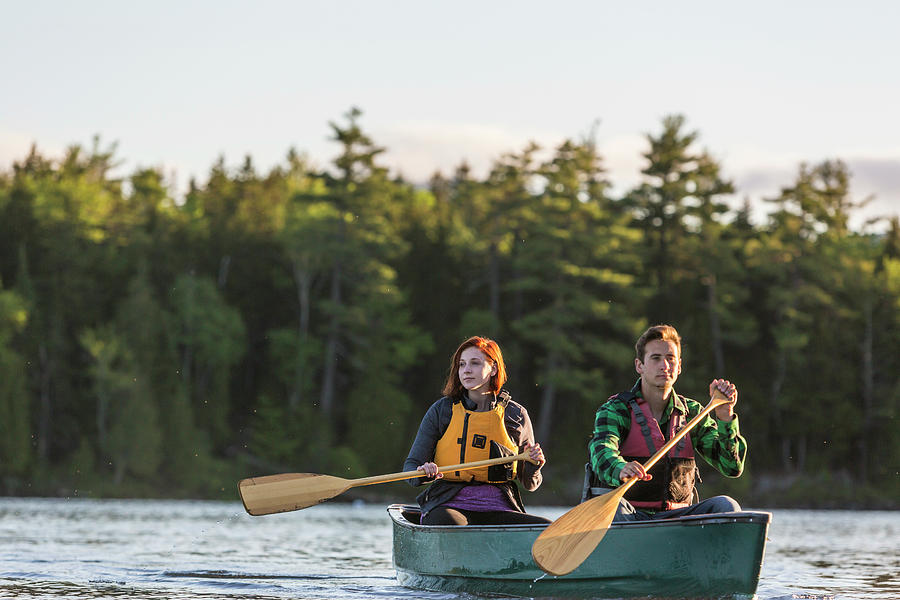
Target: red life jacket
pixel 674 475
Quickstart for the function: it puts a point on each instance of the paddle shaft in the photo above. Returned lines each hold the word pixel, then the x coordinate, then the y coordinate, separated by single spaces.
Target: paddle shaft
pixel 460 467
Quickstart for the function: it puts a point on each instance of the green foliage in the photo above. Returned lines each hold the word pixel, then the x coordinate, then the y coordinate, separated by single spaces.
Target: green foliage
pixel 478 321
pixel 15 430
pixel 135 440
pixel 345 462
pixel 302 319
pixel 281 435
pixel 211 339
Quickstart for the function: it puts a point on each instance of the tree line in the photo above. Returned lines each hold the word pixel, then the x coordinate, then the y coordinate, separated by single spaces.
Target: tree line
pixel 302 319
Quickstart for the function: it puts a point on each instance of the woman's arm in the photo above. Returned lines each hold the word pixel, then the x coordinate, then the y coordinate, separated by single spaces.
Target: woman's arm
pixel 520 430
pixel 432 427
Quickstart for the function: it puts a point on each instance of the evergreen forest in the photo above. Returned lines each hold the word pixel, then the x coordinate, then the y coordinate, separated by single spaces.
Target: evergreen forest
pixel 155 344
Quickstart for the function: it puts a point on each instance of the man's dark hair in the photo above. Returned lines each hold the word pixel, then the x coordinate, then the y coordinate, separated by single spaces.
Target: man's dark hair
pixel 667 333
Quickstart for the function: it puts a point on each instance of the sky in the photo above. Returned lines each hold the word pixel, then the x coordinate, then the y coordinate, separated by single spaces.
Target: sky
pixel 768 85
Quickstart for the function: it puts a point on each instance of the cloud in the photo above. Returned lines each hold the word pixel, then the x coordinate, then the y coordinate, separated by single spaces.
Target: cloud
pixel 419 149
pixel 763 182
pixel 15 146
pixel 623 160
pixel 876 174
pixel 874 178
pixel 880 178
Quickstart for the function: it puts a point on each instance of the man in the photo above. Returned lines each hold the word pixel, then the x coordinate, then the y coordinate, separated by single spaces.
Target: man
pixel 631 426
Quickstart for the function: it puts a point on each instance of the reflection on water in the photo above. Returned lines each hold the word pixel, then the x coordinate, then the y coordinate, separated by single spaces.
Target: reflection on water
pixel 75 548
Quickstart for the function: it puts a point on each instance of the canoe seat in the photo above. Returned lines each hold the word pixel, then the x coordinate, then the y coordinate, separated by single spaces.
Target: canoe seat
pixel 412 514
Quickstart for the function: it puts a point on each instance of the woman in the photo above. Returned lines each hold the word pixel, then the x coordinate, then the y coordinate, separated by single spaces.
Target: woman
pixel 475 420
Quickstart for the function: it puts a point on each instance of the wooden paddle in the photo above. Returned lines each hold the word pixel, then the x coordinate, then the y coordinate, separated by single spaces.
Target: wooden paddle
pixel 293 491
pixel 570 539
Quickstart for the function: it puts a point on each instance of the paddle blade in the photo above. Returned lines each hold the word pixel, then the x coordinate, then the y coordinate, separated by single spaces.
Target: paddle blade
pixel 288 491
pixel 570 539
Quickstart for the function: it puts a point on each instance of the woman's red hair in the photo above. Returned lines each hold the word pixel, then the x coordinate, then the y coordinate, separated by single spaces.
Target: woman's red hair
pixel 491 350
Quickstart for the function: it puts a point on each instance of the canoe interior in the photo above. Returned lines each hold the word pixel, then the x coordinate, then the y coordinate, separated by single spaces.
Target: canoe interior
pixel 698 556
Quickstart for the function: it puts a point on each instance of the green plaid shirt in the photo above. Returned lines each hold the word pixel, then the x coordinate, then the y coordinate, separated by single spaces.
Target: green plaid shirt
pixel 719 442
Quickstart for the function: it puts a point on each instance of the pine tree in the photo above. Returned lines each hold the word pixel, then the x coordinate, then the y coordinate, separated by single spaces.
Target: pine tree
pixel 682 195
pixel 576 323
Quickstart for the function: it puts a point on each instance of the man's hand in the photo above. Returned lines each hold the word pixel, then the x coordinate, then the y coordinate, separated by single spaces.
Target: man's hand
pixel 724 412
pixel 632 470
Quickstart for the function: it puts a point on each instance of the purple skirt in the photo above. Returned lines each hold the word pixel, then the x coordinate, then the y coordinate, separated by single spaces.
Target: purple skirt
pixel 480 498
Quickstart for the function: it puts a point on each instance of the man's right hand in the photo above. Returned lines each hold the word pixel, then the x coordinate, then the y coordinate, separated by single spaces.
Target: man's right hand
pixel 634 469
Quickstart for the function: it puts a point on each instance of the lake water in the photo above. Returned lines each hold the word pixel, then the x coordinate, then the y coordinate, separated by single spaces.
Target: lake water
pixel 77 548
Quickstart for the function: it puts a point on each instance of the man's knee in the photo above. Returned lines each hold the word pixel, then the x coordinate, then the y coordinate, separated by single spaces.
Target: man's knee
pixel 627 512
pixel 719 504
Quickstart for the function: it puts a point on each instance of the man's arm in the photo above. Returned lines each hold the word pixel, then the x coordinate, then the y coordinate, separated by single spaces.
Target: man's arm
pixel 611 425
pixel 719 442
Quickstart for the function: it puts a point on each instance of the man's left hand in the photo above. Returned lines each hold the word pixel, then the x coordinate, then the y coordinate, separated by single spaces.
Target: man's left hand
pixel 724 412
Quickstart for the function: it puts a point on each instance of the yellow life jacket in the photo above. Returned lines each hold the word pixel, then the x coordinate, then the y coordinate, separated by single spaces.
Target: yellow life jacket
pixel 472 436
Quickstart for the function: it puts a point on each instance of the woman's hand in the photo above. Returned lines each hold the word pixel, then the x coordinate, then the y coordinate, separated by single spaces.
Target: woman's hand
pixel 430 470
pixel 724 412
pixel 535 454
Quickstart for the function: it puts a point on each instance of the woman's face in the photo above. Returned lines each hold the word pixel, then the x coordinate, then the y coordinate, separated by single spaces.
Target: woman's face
pixel 475 370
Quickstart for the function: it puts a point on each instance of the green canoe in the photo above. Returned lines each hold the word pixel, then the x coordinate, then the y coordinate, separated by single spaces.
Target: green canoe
pixel 696 556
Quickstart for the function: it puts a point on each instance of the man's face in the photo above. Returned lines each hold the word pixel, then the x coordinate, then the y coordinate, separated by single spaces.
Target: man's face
pixel 661 365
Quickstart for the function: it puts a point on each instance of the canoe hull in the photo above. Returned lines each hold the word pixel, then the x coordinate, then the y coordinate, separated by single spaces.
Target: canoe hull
pixel 710 555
